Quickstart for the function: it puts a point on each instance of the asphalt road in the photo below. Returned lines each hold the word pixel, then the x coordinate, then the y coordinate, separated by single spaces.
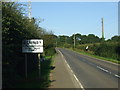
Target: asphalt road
pixel 91 72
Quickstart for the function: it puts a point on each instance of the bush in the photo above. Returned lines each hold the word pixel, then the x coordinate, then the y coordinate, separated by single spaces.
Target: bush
pixel 50 52
pixel 104 49
pixel 15 28
pixel 107 50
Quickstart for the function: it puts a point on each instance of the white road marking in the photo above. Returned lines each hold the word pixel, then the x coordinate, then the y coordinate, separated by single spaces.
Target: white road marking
pixel 102 69
pixel 108 71
pixel 117 75
pixel 105 70
pixel 81 86
pixel 79 82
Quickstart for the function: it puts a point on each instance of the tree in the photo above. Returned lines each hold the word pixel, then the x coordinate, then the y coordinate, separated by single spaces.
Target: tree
pixel 62 40
pixel 115 38
pixel 15 28
pixel 93 39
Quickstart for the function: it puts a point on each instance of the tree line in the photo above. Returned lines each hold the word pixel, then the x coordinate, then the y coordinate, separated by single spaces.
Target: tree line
pixel 106 48
pixel 82 39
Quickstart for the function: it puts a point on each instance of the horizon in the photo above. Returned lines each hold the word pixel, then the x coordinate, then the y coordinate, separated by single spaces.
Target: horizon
pixel 84 34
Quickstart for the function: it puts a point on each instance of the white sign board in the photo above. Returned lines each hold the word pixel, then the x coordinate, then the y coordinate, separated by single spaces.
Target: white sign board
pixel 32 46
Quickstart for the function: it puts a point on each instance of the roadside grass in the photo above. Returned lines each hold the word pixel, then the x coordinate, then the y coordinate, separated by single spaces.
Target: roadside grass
pixel 34 81
pixel 95 56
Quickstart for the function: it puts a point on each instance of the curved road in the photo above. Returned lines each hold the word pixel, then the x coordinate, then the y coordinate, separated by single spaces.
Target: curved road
pixel 91 72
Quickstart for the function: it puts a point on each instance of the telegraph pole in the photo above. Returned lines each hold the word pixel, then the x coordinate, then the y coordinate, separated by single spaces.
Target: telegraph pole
pixel 102 29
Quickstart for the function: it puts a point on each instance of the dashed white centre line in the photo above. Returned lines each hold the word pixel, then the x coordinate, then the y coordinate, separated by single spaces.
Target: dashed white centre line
pixel 117 75
pixel 102 69
pixel 105 70
pixel 108 71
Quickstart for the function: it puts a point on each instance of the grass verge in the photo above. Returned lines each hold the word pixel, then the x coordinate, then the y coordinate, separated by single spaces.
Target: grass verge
pixel 34 81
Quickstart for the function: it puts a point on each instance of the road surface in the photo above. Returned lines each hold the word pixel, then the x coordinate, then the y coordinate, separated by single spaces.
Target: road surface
pixel 91 72
pixel 61 77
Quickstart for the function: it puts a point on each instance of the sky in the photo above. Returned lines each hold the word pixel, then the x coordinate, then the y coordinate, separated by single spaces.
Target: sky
pixel 67 18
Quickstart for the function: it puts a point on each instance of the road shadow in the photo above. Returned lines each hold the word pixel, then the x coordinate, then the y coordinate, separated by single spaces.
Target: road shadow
pixel 52 67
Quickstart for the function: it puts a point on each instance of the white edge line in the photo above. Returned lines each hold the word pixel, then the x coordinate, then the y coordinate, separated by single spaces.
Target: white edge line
pixel 73 73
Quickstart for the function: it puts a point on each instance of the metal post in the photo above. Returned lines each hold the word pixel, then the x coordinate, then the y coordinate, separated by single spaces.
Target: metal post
pixel 26 66
pixel 39 64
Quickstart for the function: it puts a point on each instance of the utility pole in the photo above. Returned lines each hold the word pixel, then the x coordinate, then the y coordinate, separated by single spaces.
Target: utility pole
pixel 74 40
pixel 102 29
pixel 29 10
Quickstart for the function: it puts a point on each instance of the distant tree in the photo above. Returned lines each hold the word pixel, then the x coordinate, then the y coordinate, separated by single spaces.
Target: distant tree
pixel 115 38
pixel 49 43
pixel 63 40
pixel 83 39
pixel 93 39
pixel 108 40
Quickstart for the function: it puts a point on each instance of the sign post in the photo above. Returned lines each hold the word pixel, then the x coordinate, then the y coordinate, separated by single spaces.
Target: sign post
pixel 32 46
pixel 26 66
pixel 39 64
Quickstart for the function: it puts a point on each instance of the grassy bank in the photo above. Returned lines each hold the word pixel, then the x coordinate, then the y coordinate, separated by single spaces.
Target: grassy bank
pixel 95 56
pixel 34 81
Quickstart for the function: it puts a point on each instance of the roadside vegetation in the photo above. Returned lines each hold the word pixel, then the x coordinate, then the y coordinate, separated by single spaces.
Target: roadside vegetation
pixel 16 26
pixel 103 49
pixel 34 81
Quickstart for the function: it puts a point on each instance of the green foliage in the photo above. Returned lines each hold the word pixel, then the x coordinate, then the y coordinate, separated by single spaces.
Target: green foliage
pixel 109 48
pixel 67 45
pixel 34 81
pixel 49 44
pixel 15 28
pixel 50 52
pixel 104 49
pixel 79 39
